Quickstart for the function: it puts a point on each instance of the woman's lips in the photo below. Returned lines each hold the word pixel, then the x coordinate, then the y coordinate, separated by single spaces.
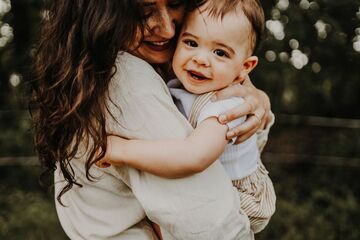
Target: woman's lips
pixel 158 45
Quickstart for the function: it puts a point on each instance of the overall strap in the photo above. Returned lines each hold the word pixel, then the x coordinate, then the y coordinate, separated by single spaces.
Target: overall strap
pixel 197 106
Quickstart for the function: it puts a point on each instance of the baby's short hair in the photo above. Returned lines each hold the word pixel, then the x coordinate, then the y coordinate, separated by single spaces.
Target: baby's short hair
pixel 252 10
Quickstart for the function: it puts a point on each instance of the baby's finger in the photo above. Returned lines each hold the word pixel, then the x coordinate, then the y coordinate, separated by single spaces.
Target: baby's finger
pixel 102 164
pixel 105 165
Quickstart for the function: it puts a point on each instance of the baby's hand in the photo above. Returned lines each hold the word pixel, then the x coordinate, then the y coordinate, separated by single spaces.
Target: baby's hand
pixel 103 162
pixel 113 152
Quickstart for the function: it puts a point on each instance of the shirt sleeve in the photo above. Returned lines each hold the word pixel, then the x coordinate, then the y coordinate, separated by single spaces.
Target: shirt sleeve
pixel 214 109
pixel 202 206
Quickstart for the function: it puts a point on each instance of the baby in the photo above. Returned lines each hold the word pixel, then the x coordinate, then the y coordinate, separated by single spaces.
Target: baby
pixel 214 50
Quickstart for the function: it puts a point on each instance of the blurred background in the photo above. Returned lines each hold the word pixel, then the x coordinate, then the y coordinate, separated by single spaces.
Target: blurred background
pixel 309 66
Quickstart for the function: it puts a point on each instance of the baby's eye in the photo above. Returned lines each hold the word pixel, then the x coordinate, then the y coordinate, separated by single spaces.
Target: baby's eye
pixel 191 43
pixel 221 53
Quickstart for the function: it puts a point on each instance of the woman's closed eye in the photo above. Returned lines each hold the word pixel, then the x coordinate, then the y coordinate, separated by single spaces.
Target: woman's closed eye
pixel 190 43
pixel 148 12
pixel 176 4
pixel 221 53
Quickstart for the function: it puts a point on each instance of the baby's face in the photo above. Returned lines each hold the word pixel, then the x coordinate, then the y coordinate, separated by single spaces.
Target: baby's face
pixel 211 52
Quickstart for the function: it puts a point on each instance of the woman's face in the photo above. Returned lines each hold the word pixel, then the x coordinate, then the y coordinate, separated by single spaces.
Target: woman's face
pixel 159 41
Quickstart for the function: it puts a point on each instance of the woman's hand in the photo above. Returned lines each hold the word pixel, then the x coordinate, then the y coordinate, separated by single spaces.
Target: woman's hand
pixel 256 107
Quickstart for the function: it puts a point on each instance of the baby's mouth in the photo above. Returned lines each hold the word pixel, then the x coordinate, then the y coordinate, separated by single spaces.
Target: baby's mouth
pixel 197 75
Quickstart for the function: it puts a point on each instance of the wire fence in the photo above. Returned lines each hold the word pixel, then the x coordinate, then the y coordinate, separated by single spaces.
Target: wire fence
pixel 281 118
pixel 317 121
pixel 268 156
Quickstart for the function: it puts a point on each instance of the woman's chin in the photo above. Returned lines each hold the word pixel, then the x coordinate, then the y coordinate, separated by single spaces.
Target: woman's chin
pixel 159 59
pixel 154 55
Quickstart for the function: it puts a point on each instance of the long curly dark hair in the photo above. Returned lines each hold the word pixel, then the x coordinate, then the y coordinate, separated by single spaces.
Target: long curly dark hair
pixel 74 63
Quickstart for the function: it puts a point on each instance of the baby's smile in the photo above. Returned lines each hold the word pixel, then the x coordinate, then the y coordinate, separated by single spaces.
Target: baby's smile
pixel 197 75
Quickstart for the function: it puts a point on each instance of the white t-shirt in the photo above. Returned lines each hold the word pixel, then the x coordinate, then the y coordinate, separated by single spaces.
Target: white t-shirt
pixel 238 160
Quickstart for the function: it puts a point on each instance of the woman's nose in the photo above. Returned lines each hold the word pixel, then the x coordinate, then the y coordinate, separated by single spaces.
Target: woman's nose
pixel 164 25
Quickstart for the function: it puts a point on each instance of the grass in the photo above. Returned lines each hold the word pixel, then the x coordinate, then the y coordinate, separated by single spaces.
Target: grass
pixel 313 202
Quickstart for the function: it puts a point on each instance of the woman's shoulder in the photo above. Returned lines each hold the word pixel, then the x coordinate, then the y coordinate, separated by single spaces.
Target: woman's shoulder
pixel 126 60
pixel 134 68
pixel 134 73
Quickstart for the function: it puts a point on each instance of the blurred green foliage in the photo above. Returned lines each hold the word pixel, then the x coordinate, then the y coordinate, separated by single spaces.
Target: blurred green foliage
pixel 27 211
pixel 326 32
pixel 309 63
pixel 16 136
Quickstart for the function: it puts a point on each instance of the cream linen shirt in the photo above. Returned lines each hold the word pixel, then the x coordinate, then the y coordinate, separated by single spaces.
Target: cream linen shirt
pixel 202 206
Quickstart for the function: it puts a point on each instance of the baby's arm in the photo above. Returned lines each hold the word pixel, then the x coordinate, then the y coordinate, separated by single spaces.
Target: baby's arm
pixel 171 158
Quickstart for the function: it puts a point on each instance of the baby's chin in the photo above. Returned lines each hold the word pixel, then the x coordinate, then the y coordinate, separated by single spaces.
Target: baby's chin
pixel 195 90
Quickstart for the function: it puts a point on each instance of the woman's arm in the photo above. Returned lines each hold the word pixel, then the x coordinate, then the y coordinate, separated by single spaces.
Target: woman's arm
pixel 256 108
pixel 171 158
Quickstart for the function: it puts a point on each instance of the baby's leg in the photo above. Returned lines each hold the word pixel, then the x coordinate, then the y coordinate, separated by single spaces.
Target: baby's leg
pixel 257 198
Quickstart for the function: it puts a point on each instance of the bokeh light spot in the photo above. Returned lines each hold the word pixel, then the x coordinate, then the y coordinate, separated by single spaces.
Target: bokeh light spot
pixel 294 44
pixel 282 5
pixel 276 28
pixel 15 79
pixel 270 56
pixel 316 67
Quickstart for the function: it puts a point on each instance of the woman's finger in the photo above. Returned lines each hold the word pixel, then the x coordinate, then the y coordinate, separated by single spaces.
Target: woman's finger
pixel 264 120
pixel 248 107
pixel 247 81
pixel 232 91
pixel 249 126
pixel 235 113
pixel 245 136
pixel 260 115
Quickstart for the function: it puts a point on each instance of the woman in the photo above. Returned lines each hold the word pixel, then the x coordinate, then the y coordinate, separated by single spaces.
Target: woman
pixel 93 78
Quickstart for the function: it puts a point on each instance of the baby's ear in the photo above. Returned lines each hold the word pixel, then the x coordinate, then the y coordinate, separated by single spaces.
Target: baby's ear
pixel 248 65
